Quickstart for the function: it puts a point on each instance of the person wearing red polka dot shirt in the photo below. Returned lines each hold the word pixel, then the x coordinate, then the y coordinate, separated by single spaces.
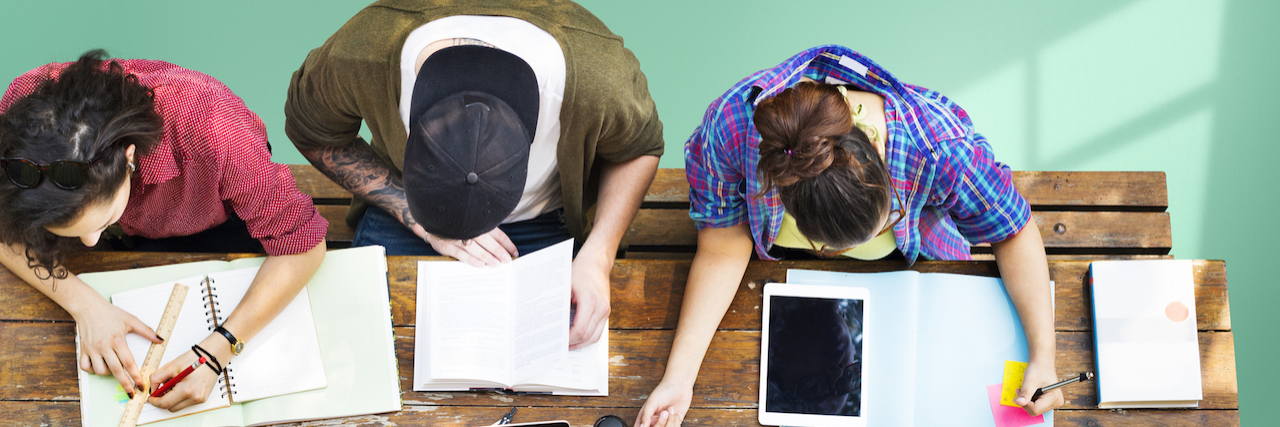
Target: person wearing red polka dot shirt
pixel 174 161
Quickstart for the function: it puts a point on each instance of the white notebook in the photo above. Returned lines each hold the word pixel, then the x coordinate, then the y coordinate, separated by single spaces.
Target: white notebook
pixel 351 321
pixel 503 327
pixel 1144 325
pixel 283 358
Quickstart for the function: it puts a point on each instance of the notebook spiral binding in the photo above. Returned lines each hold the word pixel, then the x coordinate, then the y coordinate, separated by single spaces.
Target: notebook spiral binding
pixel 226 381
pixel 211 306
pixel 226 385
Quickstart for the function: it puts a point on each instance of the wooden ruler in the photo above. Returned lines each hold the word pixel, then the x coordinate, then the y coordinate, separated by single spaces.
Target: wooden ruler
pixel 152 362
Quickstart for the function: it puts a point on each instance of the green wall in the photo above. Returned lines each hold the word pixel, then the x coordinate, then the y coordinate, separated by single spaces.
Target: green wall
pixel 1185 87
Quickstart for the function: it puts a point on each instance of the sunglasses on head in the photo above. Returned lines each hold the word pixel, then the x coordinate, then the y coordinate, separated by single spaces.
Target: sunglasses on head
pixel 66 174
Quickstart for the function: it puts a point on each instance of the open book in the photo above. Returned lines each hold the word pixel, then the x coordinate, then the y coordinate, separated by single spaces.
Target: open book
pixel 503 327
pixel 941 339
pixel 330 353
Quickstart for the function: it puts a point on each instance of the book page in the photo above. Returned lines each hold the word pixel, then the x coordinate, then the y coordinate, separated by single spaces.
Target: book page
pixel 583 372
pixel 470 321
pixel 541 309
pixel 889 357
pixel 351 303
pixel 193 325
pixel 284 357
pixel 422 344
pixel 968 328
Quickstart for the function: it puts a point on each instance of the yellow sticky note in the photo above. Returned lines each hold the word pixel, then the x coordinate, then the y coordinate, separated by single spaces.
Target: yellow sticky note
pixel 1012 382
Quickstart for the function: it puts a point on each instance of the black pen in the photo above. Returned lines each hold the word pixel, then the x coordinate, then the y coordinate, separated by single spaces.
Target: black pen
pixel 1083 376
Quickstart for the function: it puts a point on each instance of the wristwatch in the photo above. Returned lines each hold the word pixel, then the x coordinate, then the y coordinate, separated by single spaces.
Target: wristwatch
pixel 237 346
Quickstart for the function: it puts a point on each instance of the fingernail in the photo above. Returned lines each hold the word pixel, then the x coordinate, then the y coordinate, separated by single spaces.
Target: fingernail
pixel 160 337
pixel 131 395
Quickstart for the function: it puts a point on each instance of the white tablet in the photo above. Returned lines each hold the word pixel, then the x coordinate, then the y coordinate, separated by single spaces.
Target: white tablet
pixel 811 350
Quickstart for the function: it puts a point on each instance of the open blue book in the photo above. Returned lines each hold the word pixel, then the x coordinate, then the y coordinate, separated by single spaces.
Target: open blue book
pixel 941 339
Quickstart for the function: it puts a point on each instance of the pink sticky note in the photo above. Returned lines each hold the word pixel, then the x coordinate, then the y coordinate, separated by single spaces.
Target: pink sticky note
pixel 1008 416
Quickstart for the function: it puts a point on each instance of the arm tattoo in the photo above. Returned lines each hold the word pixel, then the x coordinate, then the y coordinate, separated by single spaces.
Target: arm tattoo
pixel 357 168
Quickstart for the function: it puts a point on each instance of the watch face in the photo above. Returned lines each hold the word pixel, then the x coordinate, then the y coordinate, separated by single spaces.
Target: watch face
pixel 238 347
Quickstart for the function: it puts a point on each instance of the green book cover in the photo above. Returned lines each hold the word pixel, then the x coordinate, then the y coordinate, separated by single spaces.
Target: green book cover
pixel 351 305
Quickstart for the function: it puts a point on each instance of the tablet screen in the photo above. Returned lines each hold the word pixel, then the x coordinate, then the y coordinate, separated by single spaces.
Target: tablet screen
pixel 814 356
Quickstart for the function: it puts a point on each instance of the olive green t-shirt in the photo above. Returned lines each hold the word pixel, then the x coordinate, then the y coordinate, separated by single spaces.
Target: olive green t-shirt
pixel 607 113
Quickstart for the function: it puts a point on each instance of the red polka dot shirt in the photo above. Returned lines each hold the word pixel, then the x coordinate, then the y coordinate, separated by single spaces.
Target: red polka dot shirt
pixel 212 159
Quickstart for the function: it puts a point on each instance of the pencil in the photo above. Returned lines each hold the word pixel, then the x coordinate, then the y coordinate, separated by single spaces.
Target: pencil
pixel 164 388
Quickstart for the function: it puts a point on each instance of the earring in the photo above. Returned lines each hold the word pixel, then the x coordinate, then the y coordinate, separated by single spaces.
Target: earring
pixel 132 168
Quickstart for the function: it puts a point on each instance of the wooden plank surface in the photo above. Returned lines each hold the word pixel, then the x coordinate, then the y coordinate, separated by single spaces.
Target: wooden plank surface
pixel 1138 191
pixel 1069 209
pixel 646 294
pixel 35 413
pixel 338 230
pixel 38 377
pixel 1062 232
pixel 1045 190
pixel 729 377
pixel 313 183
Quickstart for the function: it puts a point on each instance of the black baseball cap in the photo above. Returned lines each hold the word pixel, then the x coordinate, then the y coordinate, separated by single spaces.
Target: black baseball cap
pixel 472 117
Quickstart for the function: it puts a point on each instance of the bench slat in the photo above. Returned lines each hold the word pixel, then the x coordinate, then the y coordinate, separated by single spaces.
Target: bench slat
pixel 647 294
pixel 1045 190
pixel 1118 213
pixel 730 373
pixel 68 414
pixel 339 231
pixel 313 183
pixel 1063 232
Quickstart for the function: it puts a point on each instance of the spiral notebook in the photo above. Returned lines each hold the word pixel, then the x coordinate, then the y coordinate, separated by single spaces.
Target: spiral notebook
pixel 283 358
pixel 352 320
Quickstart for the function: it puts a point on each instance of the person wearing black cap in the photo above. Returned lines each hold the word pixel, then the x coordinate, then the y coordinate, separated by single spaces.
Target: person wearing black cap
pixel 496 127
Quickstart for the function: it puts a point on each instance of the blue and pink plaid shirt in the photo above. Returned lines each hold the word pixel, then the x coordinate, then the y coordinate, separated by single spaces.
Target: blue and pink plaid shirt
pixel 955 191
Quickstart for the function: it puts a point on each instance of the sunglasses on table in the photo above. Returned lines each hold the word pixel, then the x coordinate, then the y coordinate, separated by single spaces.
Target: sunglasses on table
pixel 66 174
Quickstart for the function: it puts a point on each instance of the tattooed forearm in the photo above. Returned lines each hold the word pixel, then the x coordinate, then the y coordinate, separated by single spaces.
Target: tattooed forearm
pixel 357 168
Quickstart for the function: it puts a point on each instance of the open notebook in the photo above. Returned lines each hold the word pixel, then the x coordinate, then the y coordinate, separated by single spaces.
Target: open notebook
pixel 343 316
pixel 283 358
pixel 936 335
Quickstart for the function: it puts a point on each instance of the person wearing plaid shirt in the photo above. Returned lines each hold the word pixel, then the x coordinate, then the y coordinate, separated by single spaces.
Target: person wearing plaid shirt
pixel 913 176
pixel 177 161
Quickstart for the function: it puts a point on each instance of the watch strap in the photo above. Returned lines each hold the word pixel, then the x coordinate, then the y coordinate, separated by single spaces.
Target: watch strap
pixel 236 344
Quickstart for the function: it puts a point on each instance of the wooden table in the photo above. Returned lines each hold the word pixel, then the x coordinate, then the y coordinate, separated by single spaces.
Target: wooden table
pixel 38 378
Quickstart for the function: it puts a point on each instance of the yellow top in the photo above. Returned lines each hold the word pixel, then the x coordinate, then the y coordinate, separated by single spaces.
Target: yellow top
pixel 878 247
pixel 859 120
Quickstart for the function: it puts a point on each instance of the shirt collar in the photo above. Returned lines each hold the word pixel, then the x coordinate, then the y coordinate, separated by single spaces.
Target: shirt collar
pixel 789 72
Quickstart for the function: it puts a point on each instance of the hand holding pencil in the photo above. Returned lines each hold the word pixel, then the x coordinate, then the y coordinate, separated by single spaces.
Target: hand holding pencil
pixel 168 385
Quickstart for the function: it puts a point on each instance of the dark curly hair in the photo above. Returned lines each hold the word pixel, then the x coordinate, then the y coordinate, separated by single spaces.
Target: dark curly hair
pixel 92 110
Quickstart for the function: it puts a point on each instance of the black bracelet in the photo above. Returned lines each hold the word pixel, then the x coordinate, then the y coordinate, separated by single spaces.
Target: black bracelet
pixel 213 361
